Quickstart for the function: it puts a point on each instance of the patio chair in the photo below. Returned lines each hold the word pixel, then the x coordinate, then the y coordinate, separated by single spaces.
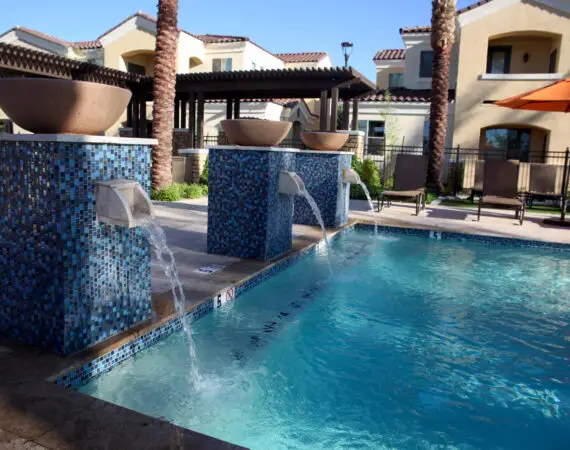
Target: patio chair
pixel 478 180
pixel 409 181
pixel 500 181
pixel 542 184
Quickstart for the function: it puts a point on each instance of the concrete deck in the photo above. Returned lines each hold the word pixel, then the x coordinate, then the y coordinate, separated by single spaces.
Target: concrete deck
pixel 36 414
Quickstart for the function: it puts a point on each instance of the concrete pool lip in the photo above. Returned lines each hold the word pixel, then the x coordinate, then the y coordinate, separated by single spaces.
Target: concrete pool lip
pixel 33 410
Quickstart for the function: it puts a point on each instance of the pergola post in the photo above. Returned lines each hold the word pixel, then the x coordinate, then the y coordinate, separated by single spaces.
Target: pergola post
pixel 135 124
pixel 324 111
pixel 182 113
pixel 229 105
pixel 192 117
pixel 176 113
pixel 355 114
pixel 130 113
pixel 334 112
pixel 236 108
pixel 142 115
pixel 200 130
pixel 346 115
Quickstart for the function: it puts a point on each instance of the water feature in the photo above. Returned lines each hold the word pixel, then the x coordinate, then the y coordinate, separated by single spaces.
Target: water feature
pixel 370 204
pixel 155 235
pixel 317 213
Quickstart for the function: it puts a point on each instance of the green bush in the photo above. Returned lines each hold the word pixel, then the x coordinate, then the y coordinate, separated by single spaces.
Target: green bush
pixel 178 191
pixel 368 172
pixel 204 174
pixel 169 194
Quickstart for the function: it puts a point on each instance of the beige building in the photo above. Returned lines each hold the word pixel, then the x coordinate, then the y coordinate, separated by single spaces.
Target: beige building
pixel 503 48
pixel 130 45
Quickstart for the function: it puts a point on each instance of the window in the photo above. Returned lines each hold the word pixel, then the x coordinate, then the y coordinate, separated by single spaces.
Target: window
pixel 222 65
pixel 552 61
pixel 514 141
pixel 426 58
pixel 396 80
pixel 136 68
pixel 425 139
pixel 499 59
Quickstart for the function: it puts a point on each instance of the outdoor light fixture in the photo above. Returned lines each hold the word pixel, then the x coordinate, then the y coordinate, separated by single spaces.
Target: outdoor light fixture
pixel 347 48
pixel 526 57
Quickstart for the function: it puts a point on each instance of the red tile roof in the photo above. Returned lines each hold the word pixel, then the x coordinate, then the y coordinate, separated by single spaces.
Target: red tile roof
pixel 302 57
pixel 415 30
pixel 390 54
pixel 47 37
pixel 220 38
pixel 427 28
pixel 400 95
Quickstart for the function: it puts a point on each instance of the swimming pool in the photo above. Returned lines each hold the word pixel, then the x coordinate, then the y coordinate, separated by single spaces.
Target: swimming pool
pixel 414 343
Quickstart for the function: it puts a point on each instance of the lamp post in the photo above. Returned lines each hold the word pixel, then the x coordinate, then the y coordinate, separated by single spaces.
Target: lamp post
pixel 347 48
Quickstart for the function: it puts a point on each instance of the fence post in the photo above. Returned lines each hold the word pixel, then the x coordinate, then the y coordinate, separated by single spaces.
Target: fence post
pixel 565 177
pixel 456 178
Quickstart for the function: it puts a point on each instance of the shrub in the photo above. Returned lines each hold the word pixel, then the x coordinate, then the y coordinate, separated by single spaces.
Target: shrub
pixel 169 194
pixel 178 191
pixel 368 172
pixel 204 174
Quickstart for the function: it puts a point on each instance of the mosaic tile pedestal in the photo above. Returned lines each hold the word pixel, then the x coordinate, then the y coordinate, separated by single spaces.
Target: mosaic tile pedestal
pixel 247 217
pixel 66 280
pixel 322 174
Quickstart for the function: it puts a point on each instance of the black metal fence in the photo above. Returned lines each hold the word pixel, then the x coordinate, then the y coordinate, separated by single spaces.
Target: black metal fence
pixel 463 167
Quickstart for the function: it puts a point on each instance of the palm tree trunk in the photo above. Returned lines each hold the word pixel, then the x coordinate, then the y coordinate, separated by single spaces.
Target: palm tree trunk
pixel 164 90
pixel 442 38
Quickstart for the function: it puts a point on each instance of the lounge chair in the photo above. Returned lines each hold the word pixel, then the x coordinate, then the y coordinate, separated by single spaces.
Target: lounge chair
pixel 478 180
pixel 409 181
pixel 543 183
pixel 500 183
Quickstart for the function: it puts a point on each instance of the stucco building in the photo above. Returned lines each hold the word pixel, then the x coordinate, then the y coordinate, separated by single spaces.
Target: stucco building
pixel 503 48
pixel 130 45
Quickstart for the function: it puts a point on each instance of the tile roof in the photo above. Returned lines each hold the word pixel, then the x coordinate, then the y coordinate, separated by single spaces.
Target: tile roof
pixel 390 54
pixel 427 28
pixel 47 37
pixel 302 57
pixel 401 95
pixel 220 38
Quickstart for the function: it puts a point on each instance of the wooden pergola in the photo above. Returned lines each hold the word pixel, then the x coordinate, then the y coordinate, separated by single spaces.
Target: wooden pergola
pixel 193 90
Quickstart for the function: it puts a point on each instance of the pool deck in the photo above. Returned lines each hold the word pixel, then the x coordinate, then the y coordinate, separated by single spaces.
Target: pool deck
pixel 37 414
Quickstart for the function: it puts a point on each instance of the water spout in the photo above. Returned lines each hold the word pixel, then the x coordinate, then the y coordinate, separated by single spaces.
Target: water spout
pixel 290 183
pixel 350 176
pixel 122 203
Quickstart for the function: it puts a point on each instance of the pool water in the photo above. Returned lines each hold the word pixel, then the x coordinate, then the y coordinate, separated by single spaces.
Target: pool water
pixel 414 343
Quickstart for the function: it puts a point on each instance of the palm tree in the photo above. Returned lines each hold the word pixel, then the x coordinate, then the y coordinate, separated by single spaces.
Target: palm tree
pixel 164 90
pixel 442 39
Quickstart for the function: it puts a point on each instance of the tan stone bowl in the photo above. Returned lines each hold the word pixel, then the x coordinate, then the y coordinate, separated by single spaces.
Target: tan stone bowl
pixel 255 133
pixel 43 105
pixel 324 140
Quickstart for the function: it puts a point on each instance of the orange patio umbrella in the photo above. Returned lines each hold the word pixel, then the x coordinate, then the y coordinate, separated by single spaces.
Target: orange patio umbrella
pixel 555 98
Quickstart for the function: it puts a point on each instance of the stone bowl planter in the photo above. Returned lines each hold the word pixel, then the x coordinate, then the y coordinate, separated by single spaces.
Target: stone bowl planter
pixel 43 105
pixel 254 132
pixel 324 140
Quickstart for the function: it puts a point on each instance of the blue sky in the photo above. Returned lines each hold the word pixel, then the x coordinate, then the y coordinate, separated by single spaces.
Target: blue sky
pixel 285 26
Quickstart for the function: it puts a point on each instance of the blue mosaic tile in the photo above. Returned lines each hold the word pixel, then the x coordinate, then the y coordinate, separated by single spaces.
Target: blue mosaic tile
pixel 247 218
pixel 322 174
pixel 68 281
pixel 464 237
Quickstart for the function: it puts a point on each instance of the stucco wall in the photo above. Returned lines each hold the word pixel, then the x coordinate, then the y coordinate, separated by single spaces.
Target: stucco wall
pixel 471 114
pixel 538 49
pixel 136 40
pixel 234 50
pixel 188 47
pixel 383 76
pixel 261 58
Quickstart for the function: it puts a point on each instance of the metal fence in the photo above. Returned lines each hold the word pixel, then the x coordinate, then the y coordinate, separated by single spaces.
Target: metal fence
pixel 463 167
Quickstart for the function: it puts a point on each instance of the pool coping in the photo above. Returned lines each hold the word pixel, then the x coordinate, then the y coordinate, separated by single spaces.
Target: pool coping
pixel 78 374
